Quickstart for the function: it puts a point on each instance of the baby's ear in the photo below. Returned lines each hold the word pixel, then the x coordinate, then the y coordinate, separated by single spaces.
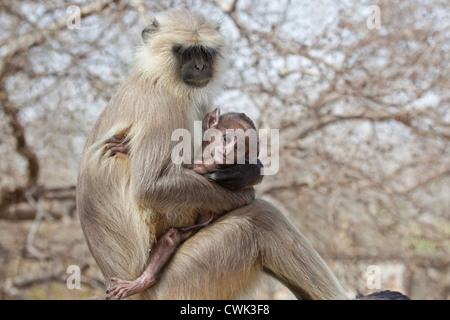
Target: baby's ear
pixel 211 119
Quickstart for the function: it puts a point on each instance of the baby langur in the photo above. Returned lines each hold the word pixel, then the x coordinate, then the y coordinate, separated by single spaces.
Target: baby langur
pixel 234 140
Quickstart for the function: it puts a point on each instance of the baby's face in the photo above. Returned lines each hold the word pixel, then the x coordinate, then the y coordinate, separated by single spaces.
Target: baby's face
pixel 225 150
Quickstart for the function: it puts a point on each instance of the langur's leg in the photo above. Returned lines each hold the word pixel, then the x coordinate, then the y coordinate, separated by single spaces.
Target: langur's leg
pixel 288 257
pixel 223 260
pixel 160 255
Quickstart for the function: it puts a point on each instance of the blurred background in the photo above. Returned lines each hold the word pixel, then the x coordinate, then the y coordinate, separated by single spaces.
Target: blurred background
pixel 360 94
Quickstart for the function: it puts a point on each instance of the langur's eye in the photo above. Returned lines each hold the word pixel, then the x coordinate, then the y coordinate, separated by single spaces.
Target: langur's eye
pixel 208 53
pixel 227 139
pixel 176 50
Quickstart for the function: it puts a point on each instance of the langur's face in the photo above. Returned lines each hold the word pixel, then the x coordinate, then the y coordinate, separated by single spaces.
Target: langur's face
pixel 229 142
pixel 195 64
pixel 226 146
pixel 182 48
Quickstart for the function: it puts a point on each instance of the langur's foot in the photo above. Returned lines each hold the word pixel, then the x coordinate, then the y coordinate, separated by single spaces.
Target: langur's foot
pixel 124 288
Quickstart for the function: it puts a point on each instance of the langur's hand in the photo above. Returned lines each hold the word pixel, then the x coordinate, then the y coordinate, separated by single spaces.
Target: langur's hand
pixel 237 177
pixel 118 144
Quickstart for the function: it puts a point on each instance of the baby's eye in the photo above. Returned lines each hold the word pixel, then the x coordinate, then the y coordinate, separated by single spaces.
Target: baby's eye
pixel 226 139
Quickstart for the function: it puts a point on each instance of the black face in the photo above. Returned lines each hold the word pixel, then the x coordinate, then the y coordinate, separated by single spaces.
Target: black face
pixel 195 64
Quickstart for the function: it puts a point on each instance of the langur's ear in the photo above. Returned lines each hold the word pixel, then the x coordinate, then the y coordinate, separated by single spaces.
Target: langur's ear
pixel 150 29
pixel 211 119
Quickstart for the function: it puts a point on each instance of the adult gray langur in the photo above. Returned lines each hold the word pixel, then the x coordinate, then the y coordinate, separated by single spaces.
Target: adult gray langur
pixel 126 201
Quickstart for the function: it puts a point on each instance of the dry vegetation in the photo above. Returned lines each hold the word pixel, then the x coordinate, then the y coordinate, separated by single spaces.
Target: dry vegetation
pixel 364 119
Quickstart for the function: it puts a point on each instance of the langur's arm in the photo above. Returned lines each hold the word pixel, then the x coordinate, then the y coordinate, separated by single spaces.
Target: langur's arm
pixel 232 177
pixel 182 187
